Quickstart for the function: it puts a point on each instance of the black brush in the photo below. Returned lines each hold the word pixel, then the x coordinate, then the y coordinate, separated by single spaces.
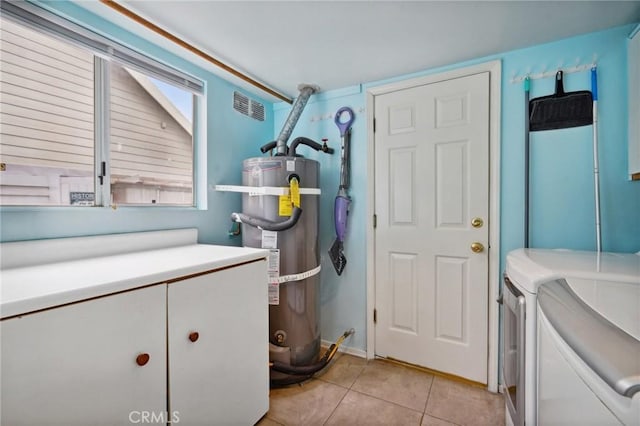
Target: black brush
pixel 561 110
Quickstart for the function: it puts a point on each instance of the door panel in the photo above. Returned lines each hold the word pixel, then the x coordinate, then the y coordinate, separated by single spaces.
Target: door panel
pixel 451 184
pixel 451 296
pixel 405 289
pixel 402 184
pixel 431 180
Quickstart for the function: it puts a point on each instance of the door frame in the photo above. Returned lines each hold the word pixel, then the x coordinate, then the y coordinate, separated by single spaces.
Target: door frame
pixel 495 76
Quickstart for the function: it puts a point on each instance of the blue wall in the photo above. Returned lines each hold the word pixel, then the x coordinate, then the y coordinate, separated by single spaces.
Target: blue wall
pixel 231 137
pixel 343 299
pixel 562 204
pixel 562 184
pixel 562 209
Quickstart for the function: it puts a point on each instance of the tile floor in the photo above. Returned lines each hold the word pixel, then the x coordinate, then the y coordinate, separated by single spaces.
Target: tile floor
pixel 353 391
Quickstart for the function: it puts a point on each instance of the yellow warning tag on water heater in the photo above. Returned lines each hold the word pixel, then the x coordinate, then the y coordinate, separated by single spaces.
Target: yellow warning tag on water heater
pixel 284 205
pixel 295 192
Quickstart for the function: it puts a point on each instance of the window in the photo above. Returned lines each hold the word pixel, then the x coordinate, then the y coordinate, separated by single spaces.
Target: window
pixel 87 122
pixel 151 140
pixel 46 119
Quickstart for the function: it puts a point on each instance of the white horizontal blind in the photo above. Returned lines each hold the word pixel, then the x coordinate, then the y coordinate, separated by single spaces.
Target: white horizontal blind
pixel 43 20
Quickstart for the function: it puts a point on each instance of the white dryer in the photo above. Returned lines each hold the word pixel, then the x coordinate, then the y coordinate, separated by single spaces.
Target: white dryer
pixel 526 270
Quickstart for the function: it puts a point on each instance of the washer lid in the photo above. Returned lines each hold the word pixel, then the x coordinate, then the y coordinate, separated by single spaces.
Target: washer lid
pixel 618 302
pixel 608 350
pixel 529 268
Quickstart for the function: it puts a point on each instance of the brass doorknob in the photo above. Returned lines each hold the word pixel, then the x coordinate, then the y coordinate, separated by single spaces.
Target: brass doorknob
pixel 477 247
pixel 477 222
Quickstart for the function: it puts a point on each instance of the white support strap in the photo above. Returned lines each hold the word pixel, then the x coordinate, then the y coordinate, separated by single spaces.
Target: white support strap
pixel 265 190
pixel 300 276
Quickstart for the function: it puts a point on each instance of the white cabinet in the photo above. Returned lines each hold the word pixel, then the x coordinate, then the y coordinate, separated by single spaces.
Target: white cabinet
pixel 634 106
pixel 77 365
pixel 219 376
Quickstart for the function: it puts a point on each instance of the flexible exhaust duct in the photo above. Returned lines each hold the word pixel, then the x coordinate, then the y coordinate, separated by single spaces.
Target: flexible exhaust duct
pixel 306 90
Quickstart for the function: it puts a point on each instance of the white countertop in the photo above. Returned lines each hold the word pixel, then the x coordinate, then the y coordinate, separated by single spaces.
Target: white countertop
pixel 36 287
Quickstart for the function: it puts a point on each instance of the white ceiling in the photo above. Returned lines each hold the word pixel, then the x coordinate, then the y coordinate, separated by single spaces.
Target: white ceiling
pixel 336 44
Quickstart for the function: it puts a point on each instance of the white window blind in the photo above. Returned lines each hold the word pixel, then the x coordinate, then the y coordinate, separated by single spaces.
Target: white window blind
pixel 42 20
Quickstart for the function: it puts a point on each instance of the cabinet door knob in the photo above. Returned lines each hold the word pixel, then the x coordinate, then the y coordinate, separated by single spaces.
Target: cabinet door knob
pixel 142 359
pixel 193 336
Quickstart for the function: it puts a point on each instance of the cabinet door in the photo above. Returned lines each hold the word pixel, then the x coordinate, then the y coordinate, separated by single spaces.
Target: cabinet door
pixel 222 377
pixel 77 365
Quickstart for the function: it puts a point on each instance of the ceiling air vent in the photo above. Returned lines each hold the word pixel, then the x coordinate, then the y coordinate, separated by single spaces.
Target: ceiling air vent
pixel 248 107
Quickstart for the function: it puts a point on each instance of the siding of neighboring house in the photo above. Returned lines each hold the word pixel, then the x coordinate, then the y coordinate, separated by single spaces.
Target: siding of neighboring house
pixel 46 96
pixel 151 154
pixel 145 139
pixel 47 128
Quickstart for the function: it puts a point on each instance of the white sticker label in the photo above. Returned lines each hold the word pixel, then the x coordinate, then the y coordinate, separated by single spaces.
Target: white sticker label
pixel 291 166
pixel 269 239
pixel 273 270
pixel 274 293
pixel 274 261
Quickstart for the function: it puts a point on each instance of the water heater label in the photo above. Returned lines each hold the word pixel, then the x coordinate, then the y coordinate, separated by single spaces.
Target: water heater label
pixel 274 263
pixel 291 166
pixel 285 208
pixel 269 239
pixel 273 269
pixel 274 293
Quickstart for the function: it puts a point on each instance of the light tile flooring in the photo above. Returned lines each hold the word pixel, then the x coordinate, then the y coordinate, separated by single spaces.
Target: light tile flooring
pixel 353 391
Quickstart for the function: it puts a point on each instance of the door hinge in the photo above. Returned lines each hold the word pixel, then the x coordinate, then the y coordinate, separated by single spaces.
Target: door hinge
pixel 103 172
pixel 374 125
pixel 375 316
pixel 375 221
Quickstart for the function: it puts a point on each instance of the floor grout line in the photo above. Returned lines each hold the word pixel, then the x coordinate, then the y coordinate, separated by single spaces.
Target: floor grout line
pixel 424 411
pixel 358 370
pixel 345 394
pixel 337 405
pixel 387 401
pixel 443 419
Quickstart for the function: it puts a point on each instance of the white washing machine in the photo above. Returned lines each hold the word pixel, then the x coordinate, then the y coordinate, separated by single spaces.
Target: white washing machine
pixel 589 352
pixel 526 270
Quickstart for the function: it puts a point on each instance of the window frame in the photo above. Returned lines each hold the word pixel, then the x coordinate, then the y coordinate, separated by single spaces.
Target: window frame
pixel 106 50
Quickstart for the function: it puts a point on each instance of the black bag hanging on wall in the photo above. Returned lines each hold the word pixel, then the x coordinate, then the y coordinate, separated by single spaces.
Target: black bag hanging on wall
pixel 561 110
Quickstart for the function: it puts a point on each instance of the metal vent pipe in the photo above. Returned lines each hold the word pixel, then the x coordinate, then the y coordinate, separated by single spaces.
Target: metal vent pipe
pixel 306 90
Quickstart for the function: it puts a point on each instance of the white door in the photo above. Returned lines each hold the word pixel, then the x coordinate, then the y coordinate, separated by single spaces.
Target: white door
pixel 431 184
